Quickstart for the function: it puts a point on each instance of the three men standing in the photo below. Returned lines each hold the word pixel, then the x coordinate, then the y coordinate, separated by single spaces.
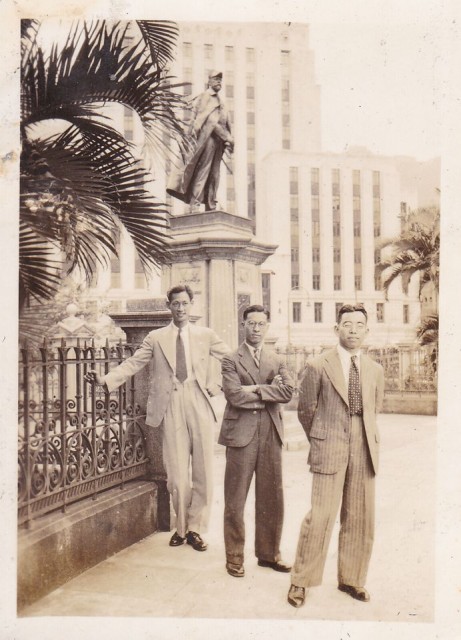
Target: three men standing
pixel 180 387
pixel 340 395
pixel 255 381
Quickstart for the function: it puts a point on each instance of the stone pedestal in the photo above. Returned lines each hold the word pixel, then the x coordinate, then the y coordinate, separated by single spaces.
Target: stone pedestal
pixel 218 256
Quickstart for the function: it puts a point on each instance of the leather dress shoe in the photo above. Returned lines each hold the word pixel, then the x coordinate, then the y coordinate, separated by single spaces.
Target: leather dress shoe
pixel 296 596
pixel 176 540
pixel 276 565
pixel 359 593
pixel 235 570
pixel 196 541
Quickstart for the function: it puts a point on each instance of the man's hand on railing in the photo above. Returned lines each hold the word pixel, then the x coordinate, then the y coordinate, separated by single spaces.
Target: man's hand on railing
pixel 93 376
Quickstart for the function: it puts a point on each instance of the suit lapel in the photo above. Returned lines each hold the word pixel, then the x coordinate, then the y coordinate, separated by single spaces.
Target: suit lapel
pixel 166 342
pixel 334 371
pixel 366 372
pixel 248 363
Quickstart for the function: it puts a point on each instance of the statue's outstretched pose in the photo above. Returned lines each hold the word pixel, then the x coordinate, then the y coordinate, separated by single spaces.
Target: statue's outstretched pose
pixel 197 181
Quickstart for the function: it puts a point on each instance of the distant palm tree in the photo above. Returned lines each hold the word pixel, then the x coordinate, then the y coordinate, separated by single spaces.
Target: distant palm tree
pixel 415 251
pixel 79 185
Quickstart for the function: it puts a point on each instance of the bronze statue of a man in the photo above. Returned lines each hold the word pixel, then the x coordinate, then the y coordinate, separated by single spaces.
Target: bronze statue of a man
pixel 197 181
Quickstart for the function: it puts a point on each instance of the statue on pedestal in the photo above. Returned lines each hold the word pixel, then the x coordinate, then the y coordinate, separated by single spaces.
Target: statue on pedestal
pixel 197 181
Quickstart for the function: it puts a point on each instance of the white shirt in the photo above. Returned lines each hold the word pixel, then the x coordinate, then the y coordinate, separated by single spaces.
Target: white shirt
pixel 345 357
pixel 186 341
pixel 253 349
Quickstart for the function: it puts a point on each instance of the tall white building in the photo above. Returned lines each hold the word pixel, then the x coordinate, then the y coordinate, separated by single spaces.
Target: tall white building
pixel 328 213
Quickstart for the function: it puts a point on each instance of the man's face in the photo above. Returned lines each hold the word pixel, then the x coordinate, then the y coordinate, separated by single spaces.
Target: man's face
pixel 256 327
pixel 215 83
pixel 180 307
pixel 352 330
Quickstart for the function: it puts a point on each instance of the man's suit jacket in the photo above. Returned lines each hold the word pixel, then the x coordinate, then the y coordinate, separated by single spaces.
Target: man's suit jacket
pixel 159 348
pixel 323 410
pixel 240 419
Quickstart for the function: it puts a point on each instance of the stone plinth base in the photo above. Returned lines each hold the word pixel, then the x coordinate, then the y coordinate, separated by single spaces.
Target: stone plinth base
pixel 218 256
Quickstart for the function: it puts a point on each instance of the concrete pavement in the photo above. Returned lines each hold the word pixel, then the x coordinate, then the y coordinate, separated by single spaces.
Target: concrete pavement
pixel 152 579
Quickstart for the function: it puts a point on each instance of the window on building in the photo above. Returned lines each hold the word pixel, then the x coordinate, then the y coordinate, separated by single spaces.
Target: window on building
pixel 208 50
pixel 315 228
pixel 377 256
pixel 336 254
pixel 377 230
pixel 318 312
pixel 377 282
pixel 296 312
pixel 337 283
pixel 316 282
pixel 266 290
pixel 294 254
pixel 380 312
pixel 187 49
pixel 406 314
pixel 338 306
pixel 315 180
pixel 357 229
pixel 229 54
pixel 358 283
pixel 250 54
pixel 336 229
pixel 229 90
pixel 128 123
pixel 295 281
pixel 357 255
pixel 315 254
pixel 140 280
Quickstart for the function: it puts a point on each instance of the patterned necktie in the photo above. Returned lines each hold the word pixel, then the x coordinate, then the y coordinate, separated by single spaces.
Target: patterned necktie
pixel 181 367
pixel 257 353
pixel 355 394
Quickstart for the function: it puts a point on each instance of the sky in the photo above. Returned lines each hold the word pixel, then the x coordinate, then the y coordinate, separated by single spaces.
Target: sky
pixel 380 87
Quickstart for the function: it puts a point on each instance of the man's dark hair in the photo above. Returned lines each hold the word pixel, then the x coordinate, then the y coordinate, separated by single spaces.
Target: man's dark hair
pixel 350 308
pixel 179 288
pixel 255 308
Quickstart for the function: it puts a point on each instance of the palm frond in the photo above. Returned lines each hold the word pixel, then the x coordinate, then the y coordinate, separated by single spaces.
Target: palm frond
pixel 98 64
pixel 161 37
pixel 39 268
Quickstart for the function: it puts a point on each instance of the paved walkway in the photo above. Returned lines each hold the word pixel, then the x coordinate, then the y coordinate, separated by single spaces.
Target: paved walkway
pixel 152 579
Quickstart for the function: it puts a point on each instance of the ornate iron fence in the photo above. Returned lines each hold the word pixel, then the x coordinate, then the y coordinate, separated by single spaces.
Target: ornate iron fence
pixel 407 369
pixel 75 440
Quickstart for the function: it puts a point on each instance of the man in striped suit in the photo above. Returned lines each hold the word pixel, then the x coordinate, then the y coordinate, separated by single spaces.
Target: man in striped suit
pixel 341 393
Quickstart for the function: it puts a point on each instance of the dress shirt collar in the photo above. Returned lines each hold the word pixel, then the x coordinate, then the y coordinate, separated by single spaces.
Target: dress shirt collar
pixel 176 329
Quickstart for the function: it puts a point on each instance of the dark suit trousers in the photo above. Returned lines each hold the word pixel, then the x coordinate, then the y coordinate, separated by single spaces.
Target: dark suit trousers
pixel 354 487
pixel 263 458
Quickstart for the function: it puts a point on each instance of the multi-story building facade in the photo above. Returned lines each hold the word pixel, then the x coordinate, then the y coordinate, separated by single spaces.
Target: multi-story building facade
pixel 328 213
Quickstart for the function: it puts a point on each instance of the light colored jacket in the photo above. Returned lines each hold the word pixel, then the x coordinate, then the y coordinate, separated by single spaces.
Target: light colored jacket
pixel 323 410
pixel 158 349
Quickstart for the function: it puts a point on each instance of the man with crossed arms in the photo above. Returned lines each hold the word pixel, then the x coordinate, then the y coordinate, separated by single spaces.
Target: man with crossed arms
pixel 180 386
pixel 340 395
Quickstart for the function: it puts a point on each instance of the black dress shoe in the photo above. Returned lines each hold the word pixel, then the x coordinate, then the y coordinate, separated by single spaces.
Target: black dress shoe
pixel 276 566
pixel 176 540
pixel 296 596
pixel 235 570
pixel 195 541
pixel 359 593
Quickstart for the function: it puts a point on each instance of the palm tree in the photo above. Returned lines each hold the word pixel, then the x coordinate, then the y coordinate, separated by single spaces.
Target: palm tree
pixel 415 251
pixel 77 186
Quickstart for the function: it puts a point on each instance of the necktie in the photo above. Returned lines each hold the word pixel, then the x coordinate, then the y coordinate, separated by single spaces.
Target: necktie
pixel 181 367
pixel 355 394
pixel 256 356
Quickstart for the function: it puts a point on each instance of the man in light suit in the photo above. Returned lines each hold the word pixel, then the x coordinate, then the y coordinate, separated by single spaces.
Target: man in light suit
pixel 255 381
pixel 180 387
pixel 340 395
pixel 210 133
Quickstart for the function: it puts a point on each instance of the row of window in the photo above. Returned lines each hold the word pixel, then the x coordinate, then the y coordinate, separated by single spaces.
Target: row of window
pixel 296 315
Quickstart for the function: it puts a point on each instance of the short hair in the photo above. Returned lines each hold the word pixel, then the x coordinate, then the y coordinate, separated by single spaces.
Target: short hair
pixel 350 308
pixel 180 288
pixel 255 308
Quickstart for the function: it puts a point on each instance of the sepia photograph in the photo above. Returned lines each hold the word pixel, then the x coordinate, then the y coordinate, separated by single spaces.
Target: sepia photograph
pixel 230 245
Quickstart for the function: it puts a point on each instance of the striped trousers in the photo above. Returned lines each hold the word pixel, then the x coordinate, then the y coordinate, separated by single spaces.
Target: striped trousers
pixel 353 486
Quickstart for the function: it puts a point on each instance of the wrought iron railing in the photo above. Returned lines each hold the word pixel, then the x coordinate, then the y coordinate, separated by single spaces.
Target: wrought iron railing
pixel 407 369
pixel 75 440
